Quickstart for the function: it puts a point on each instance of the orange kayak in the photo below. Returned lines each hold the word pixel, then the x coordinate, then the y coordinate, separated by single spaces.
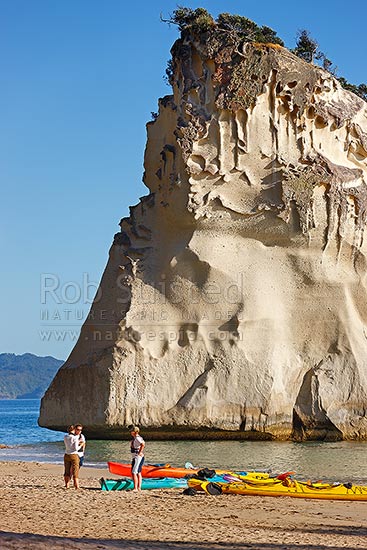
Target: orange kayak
pixel 150 470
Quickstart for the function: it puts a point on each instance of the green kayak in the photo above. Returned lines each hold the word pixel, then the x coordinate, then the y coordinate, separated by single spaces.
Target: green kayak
pixel 126 484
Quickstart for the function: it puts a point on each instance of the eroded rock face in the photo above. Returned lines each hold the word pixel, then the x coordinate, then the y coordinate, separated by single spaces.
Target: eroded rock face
pixel 234 299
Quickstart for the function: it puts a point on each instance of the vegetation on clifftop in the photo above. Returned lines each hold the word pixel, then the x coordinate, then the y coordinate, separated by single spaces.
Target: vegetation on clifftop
pixel 199 21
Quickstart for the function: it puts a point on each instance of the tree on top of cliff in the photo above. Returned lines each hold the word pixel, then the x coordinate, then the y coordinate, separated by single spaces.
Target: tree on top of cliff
pixel 306 47
pixel 196 21
pixel 200 21
pixel 247 29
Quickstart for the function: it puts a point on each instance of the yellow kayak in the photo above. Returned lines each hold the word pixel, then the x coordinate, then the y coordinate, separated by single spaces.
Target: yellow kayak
pixel 287 487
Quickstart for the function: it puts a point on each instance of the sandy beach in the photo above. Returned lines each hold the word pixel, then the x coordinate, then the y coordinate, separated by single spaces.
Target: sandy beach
pixel 38 513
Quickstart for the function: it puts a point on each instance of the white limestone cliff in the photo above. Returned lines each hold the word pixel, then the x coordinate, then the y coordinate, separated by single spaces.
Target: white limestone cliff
pixel 234 300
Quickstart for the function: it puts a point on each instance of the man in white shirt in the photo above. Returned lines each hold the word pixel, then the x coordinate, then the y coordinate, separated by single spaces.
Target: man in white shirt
pixel 137 448
pixel 71 457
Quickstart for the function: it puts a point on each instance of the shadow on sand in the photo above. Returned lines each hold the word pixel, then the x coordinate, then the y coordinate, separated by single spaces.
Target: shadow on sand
pixel 27 541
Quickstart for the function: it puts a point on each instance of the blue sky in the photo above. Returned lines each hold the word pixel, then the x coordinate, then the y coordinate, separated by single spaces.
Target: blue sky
pixel 78 82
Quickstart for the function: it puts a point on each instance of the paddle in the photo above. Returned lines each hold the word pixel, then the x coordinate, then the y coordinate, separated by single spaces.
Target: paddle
pixel 282 477
pixel 233 477
pixel 230 477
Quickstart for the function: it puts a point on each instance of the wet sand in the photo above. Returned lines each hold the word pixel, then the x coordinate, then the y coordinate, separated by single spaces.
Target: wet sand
pixel 37 513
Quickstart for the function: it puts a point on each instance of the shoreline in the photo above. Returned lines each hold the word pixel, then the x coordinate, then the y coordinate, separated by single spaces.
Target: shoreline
pixel 57 463
pixel 37 513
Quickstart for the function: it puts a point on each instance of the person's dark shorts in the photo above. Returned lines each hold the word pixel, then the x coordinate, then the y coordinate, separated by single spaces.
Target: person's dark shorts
pixel 137 464
pixel 81 461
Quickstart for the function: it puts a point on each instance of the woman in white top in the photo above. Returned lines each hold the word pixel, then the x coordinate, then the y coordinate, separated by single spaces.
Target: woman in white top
pixel 137 448
pixel 71 457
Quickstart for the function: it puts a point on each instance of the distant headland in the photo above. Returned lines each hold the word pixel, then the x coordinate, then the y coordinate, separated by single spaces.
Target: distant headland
pixel 26 376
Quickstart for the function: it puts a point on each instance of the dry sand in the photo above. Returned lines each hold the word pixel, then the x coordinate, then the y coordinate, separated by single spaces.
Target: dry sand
pixel 36 512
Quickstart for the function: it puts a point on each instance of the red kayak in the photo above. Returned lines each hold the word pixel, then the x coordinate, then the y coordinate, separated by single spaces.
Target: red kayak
pixel 166 470
pixel 150 470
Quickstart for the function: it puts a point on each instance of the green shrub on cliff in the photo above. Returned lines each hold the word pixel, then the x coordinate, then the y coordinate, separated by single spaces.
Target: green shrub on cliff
pixel 200 21
pixel 360 90
pixel 247 29
pixel 197 21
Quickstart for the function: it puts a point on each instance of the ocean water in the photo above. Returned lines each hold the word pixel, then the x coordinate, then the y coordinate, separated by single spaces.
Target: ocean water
pixel 337 461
